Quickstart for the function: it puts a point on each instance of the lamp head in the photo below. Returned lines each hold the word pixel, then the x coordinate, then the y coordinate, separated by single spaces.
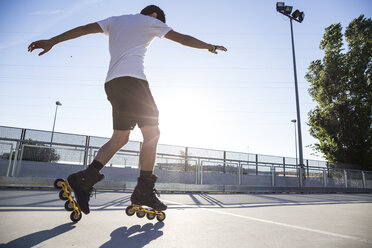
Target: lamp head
pixel 301 17
pixel 282 8
pixel 58 103
pixel 288 10
pixel 298 16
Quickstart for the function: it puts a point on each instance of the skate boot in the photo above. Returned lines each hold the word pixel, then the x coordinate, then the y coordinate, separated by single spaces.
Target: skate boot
pixel 144 194
pixel 82 184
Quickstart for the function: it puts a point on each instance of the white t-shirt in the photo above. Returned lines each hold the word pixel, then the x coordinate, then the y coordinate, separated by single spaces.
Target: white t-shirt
pixel 129 38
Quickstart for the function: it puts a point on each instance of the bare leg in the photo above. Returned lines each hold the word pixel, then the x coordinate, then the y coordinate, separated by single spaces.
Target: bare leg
pixel 144 192
pixel 107 151
pixel 151 136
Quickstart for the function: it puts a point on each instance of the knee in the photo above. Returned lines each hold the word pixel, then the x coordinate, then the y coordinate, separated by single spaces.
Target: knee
pixel 152 134
pixel 121 138
pixel 157 132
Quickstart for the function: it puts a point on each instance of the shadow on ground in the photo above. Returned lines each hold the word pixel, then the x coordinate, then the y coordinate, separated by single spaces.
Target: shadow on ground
pixel 36 238
pixel 135 236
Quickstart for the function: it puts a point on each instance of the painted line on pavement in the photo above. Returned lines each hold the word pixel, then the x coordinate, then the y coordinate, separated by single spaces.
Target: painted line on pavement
pixel 281 224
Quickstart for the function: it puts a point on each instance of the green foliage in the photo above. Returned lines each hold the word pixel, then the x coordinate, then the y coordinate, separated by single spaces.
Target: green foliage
pixel 33 153
pixel 341 85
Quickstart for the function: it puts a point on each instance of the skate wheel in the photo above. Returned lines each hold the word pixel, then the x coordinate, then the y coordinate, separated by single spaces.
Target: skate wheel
pixel 57 183
pixel 75 217
pixel 129 211
pixel 141 214
pixel 69 206
pixel 63 196
pixel 160 216
pixel 150 216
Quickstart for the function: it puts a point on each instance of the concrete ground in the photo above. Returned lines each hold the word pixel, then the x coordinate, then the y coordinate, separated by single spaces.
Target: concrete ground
pixel 36 218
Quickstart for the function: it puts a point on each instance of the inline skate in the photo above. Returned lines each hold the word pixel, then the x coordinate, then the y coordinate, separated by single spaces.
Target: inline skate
pixel 144 194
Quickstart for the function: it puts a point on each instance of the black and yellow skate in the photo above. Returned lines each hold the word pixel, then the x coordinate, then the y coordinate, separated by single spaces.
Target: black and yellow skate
pixel 144 195
pixel 65 195
pixel 81 183
pixel 142 212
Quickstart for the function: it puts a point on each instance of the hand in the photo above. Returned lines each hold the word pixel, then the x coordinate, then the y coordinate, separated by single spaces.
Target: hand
pixel 215 48
pixel 46 45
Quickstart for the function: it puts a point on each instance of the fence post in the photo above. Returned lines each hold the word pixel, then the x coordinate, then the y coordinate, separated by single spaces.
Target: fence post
pixel 256 164
pixel 19 165
pixel 197 171
pixel 324 178
pixel 16 156
pixel 345 178
pixel 301 183
pixel 307 165
pixel 201 172
pixel 224 162
pixel 283 166
pixel 87 140
pixel 239 174
pixel 272 175
pixel 15 159
pixel 186 157
pixel 10 160
pixel 364 180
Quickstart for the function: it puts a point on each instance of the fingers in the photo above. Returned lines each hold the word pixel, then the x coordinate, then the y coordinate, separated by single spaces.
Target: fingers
pixel 31 47
pixel 40 44
pixel 215 48
pixel 221 48
pixel 34 45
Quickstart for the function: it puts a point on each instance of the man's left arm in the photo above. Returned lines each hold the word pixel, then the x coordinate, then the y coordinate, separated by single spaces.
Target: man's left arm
pixel 46 45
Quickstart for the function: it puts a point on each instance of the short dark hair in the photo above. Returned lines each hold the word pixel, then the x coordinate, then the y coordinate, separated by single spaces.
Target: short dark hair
pixel 153 8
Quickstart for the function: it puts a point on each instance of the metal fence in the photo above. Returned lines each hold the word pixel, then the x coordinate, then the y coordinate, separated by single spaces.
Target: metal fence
pixel 32 153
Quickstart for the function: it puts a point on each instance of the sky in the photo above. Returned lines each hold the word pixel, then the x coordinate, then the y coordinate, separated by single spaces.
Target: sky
pixel 242 100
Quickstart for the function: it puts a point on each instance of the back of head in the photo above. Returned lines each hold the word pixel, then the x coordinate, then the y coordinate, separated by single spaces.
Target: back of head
pixel 153 8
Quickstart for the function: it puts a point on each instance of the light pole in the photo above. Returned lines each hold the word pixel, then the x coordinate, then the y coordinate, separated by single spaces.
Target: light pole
pixel 294 122
pixel 298 17
pixel 54 123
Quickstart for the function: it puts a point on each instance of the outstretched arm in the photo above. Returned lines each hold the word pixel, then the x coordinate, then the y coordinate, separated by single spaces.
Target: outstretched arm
pixel 190 41
pixel 46 45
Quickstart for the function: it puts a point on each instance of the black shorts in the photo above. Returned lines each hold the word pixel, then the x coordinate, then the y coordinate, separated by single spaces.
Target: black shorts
pixel 132 103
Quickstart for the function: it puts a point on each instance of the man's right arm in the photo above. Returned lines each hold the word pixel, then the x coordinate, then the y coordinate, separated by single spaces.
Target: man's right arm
pixel 190 41
pixel 46 45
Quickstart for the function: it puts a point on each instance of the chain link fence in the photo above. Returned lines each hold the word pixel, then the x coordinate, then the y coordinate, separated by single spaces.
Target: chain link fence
pixel 33 153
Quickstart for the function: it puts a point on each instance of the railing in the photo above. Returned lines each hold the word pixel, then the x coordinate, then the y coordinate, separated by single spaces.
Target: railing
pixel 4 149
pixel 29 153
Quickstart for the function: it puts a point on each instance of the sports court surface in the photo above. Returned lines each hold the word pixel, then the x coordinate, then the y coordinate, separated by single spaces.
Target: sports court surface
pixel 36 218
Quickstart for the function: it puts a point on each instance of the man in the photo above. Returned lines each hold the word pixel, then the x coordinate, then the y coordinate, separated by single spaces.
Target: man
pixel 129 94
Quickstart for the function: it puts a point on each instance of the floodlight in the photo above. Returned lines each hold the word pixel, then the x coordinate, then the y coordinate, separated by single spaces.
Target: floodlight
pixel 280 6
pixel 301 17
pixel 288 10
pixel 296 14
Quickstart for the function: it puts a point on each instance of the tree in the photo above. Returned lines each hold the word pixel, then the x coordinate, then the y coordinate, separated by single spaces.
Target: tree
pixel 341 85
pixel 38 153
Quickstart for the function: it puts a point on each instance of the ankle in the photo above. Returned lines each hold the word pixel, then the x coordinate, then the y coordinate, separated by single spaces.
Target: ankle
pixel 95 165
pixel 144 173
